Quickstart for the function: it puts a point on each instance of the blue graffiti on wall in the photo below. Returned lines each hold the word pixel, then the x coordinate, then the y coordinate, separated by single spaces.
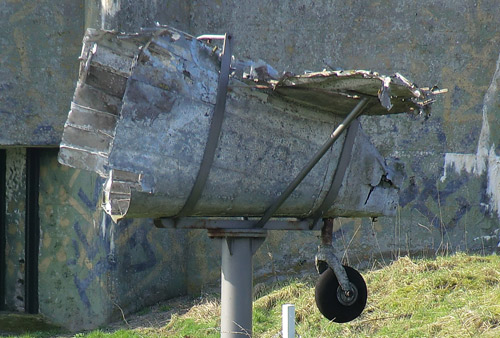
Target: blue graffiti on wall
pixel 137 255
pixel 139 238
pixel 418 194
pixel 103 265
pixel 91 203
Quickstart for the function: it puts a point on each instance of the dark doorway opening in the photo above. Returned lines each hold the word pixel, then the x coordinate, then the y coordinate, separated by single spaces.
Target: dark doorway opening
pixel 32 231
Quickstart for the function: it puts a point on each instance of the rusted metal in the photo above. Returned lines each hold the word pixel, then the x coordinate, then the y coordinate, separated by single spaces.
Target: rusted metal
pixel 327 231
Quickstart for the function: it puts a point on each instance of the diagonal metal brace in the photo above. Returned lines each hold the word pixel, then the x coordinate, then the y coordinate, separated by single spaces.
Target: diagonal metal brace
pixel 317 157
pixel 338 176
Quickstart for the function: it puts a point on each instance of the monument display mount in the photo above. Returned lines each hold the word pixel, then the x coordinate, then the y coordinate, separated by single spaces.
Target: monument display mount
pixel 189 135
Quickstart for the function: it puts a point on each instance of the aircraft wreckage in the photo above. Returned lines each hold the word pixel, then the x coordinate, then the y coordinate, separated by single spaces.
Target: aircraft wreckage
pixel 187 134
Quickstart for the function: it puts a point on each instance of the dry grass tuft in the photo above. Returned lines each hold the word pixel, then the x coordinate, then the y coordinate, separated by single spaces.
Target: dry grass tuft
pixel 205 308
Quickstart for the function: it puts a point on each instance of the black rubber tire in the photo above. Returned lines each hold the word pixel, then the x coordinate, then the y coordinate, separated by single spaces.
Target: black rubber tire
pixel 328 302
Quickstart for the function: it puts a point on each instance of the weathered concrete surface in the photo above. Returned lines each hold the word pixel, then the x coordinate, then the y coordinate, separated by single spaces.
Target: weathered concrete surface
pixel 38 64
pixel 40 44
pixel 15 200
pixel 131 15
pixel 89 268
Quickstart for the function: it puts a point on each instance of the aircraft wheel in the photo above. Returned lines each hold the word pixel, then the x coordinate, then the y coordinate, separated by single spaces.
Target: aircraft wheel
pixel 331 300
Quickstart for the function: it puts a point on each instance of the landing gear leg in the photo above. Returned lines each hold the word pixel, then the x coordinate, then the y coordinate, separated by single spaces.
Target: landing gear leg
pixel 341 292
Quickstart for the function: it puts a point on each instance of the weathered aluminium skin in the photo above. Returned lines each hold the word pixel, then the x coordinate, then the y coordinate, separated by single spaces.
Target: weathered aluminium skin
pixel 141 114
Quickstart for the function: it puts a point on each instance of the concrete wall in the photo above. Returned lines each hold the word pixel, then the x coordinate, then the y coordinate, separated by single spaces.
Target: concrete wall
pixel 89 267
pixel 15 184
pixel 131 16
pixel 40 44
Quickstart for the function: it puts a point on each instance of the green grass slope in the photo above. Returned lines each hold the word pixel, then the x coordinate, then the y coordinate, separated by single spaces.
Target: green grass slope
pixel 455 296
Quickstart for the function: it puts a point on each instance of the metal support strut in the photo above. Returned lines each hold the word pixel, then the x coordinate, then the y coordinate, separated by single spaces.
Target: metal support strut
pixel 317 157
pixel 238 247
pixel 327 255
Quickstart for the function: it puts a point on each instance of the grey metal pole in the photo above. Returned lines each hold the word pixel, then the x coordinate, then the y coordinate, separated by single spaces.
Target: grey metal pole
pixel 236 287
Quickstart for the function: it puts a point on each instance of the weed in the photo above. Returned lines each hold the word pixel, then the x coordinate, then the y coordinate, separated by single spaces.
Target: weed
pixel 165 308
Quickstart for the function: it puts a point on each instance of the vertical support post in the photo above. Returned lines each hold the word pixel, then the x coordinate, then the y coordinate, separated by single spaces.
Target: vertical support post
pixel 236 287
pixel 288 320
pixel 327 232
pixel 32 232
pixel 238 247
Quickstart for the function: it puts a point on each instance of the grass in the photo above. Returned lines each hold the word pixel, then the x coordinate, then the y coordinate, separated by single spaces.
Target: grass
pixel 455 296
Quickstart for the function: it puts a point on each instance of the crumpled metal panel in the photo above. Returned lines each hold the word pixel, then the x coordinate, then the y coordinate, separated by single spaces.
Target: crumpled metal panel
pixel 141 115
pixel 334 91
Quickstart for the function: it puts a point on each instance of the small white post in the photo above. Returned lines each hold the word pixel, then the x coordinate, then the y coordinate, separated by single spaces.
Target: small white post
pixel 288 320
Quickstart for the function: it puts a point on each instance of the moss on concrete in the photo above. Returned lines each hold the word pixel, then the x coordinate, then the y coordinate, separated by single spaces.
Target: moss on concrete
pixel 19 323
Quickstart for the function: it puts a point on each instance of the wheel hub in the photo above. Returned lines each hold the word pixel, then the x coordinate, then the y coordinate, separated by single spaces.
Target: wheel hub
pixel 349 297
